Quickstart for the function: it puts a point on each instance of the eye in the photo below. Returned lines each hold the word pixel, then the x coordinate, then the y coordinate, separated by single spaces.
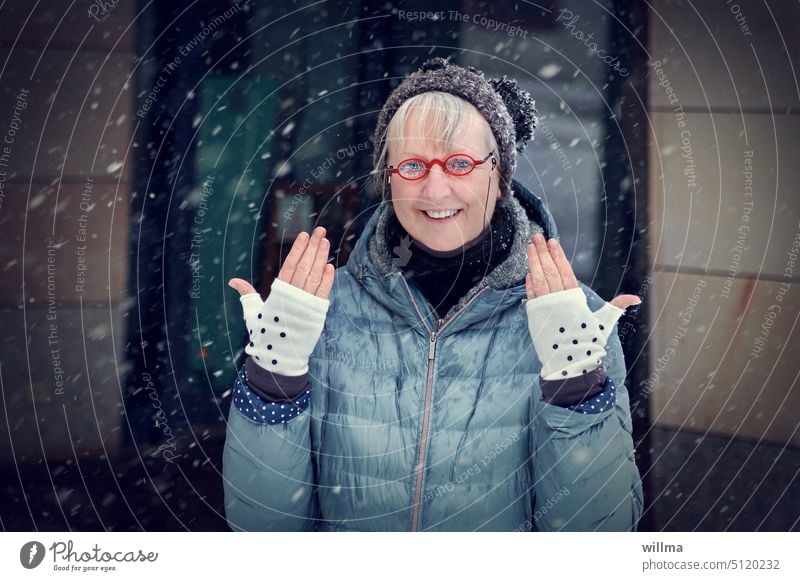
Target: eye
pixel 411 168
pixel 459 164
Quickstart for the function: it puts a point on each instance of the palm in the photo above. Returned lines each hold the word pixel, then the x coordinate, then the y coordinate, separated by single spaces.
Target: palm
pixel 550 272
pixel 306 266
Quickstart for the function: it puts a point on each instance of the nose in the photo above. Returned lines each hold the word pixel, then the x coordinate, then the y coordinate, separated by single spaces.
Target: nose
pixel 436 184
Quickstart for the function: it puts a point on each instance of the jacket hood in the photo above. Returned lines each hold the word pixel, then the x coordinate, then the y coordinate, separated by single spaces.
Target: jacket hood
pixel 375 266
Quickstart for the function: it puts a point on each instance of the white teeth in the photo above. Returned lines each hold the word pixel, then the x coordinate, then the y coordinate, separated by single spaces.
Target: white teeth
pixel 444 214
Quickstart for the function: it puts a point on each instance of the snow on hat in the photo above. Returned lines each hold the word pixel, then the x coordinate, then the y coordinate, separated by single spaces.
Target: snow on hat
pixel 509 109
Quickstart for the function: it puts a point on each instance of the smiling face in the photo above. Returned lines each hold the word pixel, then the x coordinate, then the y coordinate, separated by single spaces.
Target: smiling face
pixel 429 131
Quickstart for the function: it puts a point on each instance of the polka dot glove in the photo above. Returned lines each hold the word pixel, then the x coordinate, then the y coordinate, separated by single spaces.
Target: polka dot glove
pixel 285 328
pixel 568 337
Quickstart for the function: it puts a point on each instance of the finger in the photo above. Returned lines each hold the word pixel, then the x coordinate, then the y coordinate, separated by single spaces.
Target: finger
pixel 548 266
pixel 568 279
pixel 538 281
pixel 317 269
pixel 244 287
pixel 295 254
pixel 304 266
pixel 325 286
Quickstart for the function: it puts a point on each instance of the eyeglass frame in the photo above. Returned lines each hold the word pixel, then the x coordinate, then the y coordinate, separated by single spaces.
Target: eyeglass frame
pixel 429 164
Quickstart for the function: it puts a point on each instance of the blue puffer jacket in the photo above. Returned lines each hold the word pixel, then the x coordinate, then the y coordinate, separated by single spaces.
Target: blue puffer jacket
pixel 423 424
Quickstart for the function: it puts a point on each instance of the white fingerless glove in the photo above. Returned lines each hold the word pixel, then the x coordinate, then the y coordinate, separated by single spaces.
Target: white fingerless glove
pixel 284 329
pixel 568 337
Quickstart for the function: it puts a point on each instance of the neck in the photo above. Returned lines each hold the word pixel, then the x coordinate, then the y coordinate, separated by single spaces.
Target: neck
pixel 444 276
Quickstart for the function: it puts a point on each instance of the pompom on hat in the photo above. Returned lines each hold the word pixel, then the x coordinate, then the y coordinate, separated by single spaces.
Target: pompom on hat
pixel 508 109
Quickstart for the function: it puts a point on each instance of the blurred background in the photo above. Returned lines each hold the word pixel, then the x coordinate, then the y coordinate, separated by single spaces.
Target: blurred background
pixel 151 150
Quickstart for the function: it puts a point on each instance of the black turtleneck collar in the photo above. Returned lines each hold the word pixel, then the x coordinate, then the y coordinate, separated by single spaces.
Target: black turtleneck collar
pixel 445 276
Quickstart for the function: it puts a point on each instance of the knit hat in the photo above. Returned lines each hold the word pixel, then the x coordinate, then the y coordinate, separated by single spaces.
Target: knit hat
pixel 509 109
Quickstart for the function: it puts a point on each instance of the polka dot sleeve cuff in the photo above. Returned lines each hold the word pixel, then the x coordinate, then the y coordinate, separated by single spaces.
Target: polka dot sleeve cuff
pixel 261 411
pixel 602 402
pixel 283 330
pixel 568 337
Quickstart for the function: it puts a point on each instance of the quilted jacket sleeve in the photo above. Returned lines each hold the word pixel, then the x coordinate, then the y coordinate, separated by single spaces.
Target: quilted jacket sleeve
pixel 585 475
pixel 267 467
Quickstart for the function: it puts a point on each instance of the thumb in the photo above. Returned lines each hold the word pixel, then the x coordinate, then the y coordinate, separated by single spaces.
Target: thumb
pixel 625 301
pixel 608 315
pixel 244 287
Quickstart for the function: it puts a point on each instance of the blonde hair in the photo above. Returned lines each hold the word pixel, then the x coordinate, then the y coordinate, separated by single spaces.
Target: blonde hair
pixel 442 115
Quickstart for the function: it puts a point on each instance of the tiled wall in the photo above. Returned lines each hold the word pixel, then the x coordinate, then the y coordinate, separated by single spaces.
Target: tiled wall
pixel 725 218
pixel 64 218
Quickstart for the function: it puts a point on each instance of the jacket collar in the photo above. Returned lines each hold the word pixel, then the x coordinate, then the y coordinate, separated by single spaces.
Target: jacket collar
pixel 376 267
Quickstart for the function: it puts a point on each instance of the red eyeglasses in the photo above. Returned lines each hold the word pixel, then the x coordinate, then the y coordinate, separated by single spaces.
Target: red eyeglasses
pixel 458 164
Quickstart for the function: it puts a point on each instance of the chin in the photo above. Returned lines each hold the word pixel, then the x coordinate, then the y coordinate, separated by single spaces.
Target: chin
pixel 442 245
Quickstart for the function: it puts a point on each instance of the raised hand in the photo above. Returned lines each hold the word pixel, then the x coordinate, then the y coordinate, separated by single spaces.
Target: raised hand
pixel 568 337
pixel 306 267
pixel 550 272
pixel 284 329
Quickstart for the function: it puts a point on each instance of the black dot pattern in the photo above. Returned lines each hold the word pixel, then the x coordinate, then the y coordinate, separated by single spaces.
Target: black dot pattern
pixel 267 342
pixel 577 346
pixel 570 356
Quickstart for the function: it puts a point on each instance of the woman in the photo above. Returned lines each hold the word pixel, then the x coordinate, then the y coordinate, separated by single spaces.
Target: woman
pixel 454 375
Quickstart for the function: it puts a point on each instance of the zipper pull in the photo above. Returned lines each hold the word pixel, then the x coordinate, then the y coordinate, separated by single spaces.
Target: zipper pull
pixel 432 346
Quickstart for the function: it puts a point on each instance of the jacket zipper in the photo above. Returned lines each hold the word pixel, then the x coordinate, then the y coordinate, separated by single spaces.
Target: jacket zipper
pixel 426 414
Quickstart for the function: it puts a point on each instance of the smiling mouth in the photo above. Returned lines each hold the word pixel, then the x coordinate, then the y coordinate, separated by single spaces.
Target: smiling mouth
pixel 441 216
